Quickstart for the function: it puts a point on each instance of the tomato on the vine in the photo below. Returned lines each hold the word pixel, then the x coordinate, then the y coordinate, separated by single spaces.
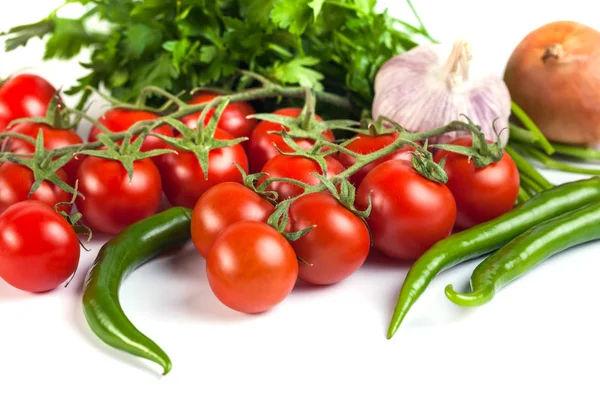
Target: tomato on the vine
pixel 263 144
pixel 39 250
pixel 481 194
pixel 5 117
pixel 299 168
pixel 16 182
pixel 183 178
pixel 336 247
pixel 251 267
pixel 111 200
pixel 233 119
pixel 53 139
pixel 221 206
pixel 26 95
pixel 366 144
pixel 410 213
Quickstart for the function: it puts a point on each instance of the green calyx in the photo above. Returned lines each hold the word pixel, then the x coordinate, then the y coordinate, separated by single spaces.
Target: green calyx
pixel 280 219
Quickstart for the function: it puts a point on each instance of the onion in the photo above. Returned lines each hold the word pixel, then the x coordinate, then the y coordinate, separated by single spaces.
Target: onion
pixel 554 75
pixel 426 88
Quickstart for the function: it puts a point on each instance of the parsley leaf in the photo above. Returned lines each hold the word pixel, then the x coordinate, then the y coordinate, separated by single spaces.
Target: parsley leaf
pixel 292 14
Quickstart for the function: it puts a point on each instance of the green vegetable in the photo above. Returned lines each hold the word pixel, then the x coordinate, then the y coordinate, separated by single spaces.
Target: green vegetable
pixel 527 251
pixel 178 45
pixel 487 237
pixel 118 258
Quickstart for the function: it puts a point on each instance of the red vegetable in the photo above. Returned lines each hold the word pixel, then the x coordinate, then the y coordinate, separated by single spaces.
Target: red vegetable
pixel 221 206
pixel 336 248
pixel 410 213
pixel 25 95
pixel 481 194
pixel 251 267
pixel 263 144
pixel 113 201
pixel 39 250
pixel 5 116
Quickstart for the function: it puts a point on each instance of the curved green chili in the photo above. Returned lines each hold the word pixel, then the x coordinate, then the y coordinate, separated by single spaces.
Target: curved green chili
pixel 484 238
pixel 119 257
pixel 528 250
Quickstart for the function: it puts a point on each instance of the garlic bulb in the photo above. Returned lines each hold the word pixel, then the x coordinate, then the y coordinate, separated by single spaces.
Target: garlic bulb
pixel 423 89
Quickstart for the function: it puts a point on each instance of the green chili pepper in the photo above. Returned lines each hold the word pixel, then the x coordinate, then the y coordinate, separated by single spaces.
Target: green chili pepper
pixel 487 237
pixel 119 257
pixel 528 250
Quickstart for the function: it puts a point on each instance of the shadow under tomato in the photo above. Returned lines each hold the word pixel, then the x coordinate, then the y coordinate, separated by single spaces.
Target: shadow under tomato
pixel 377 259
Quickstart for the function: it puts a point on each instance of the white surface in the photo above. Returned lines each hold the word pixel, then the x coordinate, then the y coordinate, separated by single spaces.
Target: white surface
pixel 539 336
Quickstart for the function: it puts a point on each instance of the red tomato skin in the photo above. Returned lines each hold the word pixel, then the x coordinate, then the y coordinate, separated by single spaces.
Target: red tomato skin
pixel 16 182
pixel 5 116
pixel 336 248
pixel 53 139
pixel 365 144
pixel 263 144
pixel 410 213
pixel 233 119
pixel 251 268
pixel 222 206
pixel 27 95
pixel 183 178
pixel 39 250
pixel 112 202
pixel 299 168
pixel 481 194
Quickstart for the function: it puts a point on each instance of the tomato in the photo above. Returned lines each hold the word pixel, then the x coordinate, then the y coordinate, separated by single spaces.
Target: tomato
pixel 5 116
pixel 233 119
pixel 112 202
pixel 221 206
pixel 16 182
pixel 26 95
pixel 251 267
pixel 299 168
pixel 336 248
pixel 263 144
pixel 53 139
pixel 183 178
pixel 410 213
pixel 365 144
pixel 39 250
pixel 481 194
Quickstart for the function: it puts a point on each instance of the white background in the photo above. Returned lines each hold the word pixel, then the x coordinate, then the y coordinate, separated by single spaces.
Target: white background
pixel 539 337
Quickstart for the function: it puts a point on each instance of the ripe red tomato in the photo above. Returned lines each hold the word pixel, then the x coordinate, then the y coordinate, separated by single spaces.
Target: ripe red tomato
pixel 16 182
pixel 5 116
pixel 39 250
pixel 481 194
pixel 365 144
pixel 183 178
pixel 113 202
pixel 263 144
pixel 221 206
pixel 251 267
pixel 53 139
pixel 299 168
pixel 410 213
pixel 336 248
pixel 233 120
pixel 27 95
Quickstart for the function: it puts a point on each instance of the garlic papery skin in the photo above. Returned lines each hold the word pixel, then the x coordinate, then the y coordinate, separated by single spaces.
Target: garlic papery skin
pixel 431 85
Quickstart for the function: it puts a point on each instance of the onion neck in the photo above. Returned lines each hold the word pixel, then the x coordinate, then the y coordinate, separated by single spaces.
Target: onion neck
pixel 456 68
pixel 553 52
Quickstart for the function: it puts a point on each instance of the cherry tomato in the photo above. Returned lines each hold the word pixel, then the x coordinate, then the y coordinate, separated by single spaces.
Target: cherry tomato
pixel 112 202
pixel 16 182
pixel 233 120
pixel 410 213
pixel 27 95
pixel 53 139
pixel 251 267
pixel 221 206
pixel 5 116
pixel 263 144
pixel 299 168
pixel 481 194
pixel 39 250
pixel 183 178
pixel 365 144
pixel 336 248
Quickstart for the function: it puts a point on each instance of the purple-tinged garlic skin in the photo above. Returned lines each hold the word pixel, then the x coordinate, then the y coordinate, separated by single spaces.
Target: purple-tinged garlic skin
pixel 424 89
